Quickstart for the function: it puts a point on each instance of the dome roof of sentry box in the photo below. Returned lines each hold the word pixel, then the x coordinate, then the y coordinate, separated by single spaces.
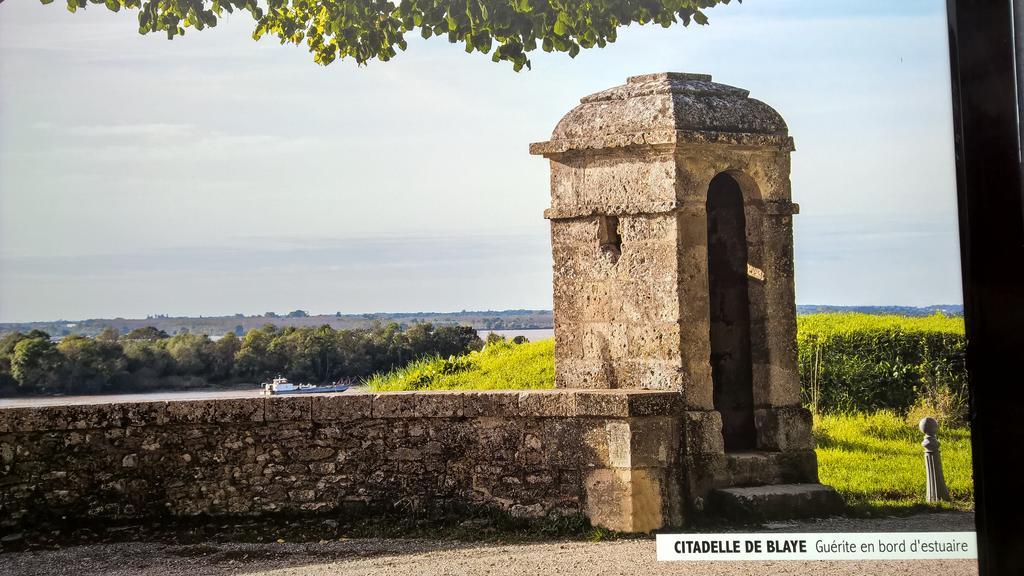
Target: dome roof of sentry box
pixel 653 108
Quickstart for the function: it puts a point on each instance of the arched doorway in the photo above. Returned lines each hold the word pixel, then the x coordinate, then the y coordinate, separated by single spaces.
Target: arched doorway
pixel 731 370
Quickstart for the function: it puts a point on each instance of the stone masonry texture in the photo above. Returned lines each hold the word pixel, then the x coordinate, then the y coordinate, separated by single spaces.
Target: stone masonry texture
pixel 634 170
pixel 530 454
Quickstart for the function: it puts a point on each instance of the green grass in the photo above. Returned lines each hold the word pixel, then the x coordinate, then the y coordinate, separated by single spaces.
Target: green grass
pixel 876 462
pixel 499 365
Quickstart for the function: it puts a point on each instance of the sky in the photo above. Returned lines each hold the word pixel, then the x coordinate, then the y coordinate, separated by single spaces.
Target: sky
pixel 213 174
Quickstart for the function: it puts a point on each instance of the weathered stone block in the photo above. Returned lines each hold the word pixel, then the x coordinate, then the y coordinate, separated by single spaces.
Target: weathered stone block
pixel 439 404
pixel 628 500
pixel 538 403
pixel 702 432
pixel 654 341
pixel 574 232
pixel 623 374
pixel 593 302
pixel 658 228
pixel 647 262
pixel 563 444
pixel 394 405
pixel 288 408
pixel 605 341
pixel 659 375
pixel 569 342
pixel 662 302
pixel 341 407
pixel 138 413
pixel 783 386
pixel 491 403
pixel 781 501
pixel 417 404
pixel 601 403
pixel 784 428
pixel 216 411
pixel 654 402
pixel 700 474
pixel 629 301
pixel 654 441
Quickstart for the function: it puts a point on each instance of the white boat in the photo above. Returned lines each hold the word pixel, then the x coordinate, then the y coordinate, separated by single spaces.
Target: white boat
pixel 283 386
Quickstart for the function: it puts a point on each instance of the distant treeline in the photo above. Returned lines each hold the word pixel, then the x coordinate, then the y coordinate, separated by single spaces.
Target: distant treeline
pixel 240 323
pixel 148 358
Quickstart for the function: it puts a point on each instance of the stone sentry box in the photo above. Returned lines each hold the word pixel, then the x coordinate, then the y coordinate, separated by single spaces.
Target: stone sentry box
pixel 671 232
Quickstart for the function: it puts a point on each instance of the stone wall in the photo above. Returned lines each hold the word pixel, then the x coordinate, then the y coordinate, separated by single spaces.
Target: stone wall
pixel 612 456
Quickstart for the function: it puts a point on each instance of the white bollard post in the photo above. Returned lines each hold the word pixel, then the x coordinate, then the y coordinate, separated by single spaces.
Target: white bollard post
pixel 936 483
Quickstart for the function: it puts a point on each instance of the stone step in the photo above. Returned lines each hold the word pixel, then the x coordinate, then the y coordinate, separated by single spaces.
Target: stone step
pixel 760 468
pixel 776 502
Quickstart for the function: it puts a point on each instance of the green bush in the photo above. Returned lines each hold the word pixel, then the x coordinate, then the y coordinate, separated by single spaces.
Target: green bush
pixel 864 363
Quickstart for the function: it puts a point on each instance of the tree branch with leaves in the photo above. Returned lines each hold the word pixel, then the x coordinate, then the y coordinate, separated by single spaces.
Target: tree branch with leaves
pixel 366 30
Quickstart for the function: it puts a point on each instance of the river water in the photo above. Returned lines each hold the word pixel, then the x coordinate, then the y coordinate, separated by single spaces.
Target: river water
pixel 254 392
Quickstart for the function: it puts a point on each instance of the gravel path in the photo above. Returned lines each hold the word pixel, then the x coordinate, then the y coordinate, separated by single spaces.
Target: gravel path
pixel 379 557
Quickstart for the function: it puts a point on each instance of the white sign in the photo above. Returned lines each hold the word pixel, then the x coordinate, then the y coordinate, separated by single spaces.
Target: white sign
pixel 819 546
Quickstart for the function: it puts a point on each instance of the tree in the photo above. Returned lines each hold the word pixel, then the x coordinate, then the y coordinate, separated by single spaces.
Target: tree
pixel 192 353
pixel 224 350
pixel 37 365
pixel 372 29
pixel 313 354
pixel 7 344
pixel 298 314
pixel 147 333
pixel 148 360
pixel 254 358
pixel 108 334
pixel 9 341
pixel 91 365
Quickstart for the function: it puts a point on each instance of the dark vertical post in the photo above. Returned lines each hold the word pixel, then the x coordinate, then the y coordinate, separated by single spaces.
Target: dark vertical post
pixel 991 213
